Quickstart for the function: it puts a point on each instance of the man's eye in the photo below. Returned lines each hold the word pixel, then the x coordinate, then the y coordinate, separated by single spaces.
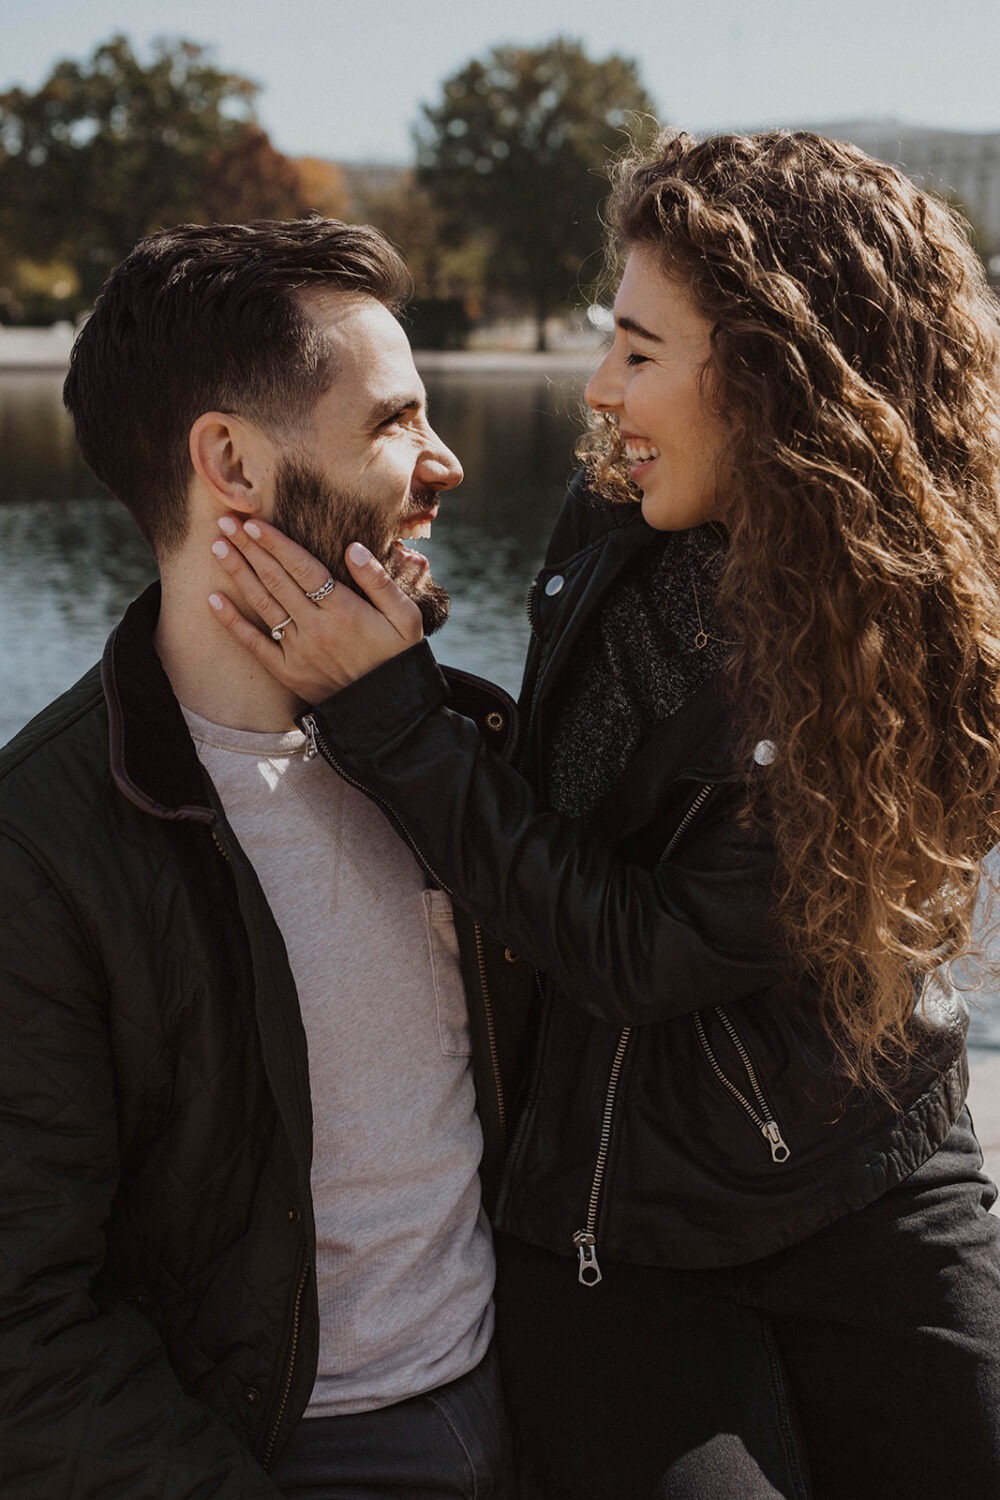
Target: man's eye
pixel 391 421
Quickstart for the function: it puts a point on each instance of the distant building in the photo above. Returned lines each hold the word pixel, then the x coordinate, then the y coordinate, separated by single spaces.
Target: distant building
pixel 955 164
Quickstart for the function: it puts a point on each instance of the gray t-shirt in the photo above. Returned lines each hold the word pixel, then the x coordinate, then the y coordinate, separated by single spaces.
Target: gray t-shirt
pixel 405 1261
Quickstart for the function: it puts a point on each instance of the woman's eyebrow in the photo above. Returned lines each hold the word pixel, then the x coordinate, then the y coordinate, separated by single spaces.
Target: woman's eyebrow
pixel 631 326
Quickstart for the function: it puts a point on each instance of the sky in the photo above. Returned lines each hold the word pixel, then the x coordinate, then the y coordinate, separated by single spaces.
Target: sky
pixel 345 78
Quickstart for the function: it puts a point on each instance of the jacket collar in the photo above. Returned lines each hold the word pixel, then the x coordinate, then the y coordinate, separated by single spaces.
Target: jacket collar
pixel 153 759
pixel 693 744
pixel 564 595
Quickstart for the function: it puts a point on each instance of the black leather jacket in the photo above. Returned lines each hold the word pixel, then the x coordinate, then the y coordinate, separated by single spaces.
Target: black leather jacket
pixel 158 1318
pixel 682 1107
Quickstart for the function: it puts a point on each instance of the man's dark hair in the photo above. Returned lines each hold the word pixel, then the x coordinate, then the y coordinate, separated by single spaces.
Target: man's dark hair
pixel 210 318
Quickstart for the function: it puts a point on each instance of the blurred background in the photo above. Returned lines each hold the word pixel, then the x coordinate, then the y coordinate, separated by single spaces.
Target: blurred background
pixel 477 137
pixel 478 140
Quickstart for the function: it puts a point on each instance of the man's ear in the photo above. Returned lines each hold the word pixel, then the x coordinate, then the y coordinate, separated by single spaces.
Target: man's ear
pixel 234 461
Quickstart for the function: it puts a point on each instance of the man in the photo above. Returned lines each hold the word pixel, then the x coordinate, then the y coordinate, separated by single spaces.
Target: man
pixel 242 1248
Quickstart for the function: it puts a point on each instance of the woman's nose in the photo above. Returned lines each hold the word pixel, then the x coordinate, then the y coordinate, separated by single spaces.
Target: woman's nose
pixel 603 389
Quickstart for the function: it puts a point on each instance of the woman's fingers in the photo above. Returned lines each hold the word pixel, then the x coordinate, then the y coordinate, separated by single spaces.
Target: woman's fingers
pixel 308 660
pixel 260 574
pixel 325 642
pixel 261 646
pixel 386 595
pixel 253 591
pixel 257 538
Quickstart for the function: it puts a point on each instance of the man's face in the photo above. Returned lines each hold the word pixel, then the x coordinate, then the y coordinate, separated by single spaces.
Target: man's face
pixel 368 466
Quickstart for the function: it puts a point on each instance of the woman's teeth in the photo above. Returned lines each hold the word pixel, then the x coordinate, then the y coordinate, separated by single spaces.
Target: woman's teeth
pixel 640 453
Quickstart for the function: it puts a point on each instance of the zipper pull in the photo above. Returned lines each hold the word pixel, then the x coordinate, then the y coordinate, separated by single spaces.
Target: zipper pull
pixel 771 1131
pixel 309 725
pixel 589 1273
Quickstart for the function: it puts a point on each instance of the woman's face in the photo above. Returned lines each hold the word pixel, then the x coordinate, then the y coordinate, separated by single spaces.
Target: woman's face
pixel 657 380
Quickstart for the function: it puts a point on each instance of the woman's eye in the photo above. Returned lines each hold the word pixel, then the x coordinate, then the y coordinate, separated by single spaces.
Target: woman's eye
pixel 635 359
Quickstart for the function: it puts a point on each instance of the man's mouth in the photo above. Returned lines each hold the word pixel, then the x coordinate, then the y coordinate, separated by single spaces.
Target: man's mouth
pixel 414 531
pixel 415 523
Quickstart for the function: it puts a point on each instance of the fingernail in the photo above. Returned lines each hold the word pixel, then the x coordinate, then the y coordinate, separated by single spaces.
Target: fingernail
pixel 252 529
pixel 228 525
pixel 215 601
pixel 220 549
pixel 358 554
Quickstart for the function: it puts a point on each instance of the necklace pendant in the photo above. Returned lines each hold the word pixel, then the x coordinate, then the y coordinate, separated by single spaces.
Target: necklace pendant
pixel 700 641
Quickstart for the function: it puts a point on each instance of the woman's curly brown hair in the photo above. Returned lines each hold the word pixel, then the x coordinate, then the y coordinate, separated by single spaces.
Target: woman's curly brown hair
pixel 856 359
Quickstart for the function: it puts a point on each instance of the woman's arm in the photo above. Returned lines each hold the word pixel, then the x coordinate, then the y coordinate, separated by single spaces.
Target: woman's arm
pixel 628 943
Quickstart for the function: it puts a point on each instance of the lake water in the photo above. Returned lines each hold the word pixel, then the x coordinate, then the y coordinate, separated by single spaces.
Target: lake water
pixel 71 559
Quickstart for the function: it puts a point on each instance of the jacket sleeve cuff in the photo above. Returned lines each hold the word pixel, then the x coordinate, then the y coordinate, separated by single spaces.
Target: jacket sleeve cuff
pixel 383 706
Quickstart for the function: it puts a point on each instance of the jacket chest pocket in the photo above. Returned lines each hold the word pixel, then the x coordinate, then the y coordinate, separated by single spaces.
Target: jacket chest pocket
pixel 446 971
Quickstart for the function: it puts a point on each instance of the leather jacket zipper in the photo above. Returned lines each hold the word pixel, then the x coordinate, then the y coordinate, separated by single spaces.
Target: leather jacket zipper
pixel 290 1370
pixel 585 1239
pixel 320 745
pixel 763 1116
pixel 491 1031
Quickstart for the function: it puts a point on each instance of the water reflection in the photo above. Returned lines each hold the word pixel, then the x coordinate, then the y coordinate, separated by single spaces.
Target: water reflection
pixel 67 568
pixel 70 558
pixel 40 456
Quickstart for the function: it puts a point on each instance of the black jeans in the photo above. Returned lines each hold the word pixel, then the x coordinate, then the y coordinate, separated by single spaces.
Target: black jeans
pixel 861 1364
pixel 452 1443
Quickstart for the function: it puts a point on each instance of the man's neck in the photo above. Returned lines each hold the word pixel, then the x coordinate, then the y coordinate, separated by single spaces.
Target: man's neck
pixel 210 673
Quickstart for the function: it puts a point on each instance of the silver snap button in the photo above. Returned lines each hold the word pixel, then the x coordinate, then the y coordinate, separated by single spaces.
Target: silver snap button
pixel 554 584
pixel 765 752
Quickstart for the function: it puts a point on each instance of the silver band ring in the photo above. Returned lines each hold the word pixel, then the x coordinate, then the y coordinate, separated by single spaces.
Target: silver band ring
pixel 321 593
pixel 277 634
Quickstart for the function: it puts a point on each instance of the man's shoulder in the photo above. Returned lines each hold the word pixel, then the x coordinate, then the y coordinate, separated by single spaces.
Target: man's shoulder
pixel 46 764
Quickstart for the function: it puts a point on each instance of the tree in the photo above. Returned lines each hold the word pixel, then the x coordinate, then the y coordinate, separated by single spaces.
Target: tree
pixel 322 187
pixel 516 151
pixel 448 271
pixel 247 178
pixel 109 149
pixel 441 265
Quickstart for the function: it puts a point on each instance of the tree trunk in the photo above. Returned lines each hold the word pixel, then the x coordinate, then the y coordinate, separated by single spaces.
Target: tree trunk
pixel 541 317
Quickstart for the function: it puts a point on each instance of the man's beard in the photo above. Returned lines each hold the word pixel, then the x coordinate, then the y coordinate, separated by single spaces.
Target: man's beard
pixel 325 521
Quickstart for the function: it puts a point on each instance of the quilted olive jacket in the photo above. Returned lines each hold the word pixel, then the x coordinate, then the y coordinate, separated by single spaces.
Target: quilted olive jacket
pixel 158 1320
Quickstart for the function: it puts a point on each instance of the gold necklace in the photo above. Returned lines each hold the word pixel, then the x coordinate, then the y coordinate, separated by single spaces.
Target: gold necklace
pixel 702 636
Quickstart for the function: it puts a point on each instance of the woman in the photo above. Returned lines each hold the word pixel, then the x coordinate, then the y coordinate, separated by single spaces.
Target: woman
pixel 758 768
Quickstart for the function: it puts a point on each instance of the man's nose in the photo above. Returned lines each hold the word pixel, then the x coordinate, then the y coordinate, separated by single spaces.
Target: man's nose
pixel 603 390
pixel 439 467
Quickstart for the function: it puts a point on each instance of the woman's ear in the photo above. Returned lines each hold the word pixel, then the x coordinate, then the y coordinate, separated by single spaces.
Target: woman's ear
pixel 234 462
